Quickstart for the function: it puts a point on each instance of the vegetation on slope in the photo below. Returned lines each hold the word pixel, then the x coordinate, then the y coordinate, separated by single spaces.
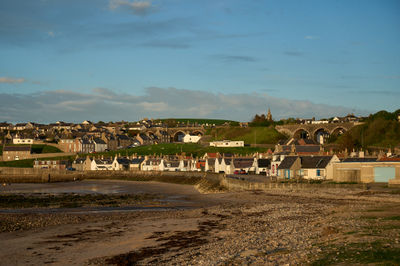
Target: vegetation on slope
pixel 200 121
pixel 250 135
pixel 381 129
pixel 43 148
pixel 189 148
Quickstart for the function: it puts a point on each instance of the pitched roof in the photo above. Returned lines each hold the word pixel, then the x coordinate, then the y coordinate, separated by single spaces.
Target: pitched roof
pixel 359 160
pixel 264 162
pixel 124 161
pixel 303 148
pixel 99 141
pixel 243 163
pixel 288 162
pixel 17 148
pixel 315 161
pixel 137 161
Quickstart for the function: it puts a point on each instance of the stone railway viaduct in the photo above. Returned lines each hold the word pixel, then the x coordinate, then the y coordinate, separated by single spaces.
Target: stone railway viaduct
pixel 298 131
pixel 174 132
pixel 311 130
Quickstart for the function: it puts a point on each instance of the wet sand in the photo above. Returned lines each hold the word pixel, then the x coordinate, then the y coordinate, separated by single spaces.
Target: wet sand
pixel 250 227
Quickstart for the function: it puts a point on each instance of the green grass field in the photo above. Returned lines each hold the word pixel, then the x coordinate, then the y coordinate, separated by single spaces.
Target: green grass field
pixel 43 148
pixel 188 148
pixel 217 122
pixel 250 135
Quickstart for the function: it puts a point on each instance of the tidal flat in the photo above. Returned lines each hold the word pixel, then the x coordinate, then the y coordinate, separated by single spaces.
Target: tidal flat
pixel 319 226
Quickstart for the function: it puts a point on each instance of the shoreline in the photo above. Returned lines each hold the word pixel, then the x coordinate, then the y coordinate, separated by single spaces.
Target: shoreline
pixel 247 227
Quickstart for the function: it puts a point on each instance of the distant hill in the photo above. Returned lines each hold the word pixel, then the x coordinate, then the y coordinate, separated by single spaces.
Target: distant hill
pixel 381 129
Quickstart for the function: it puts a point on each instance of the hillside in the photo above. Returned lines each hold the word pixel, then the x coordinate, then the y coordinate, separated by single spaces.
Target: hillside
pixel 200 121
pixel 250 135
pixel 381 129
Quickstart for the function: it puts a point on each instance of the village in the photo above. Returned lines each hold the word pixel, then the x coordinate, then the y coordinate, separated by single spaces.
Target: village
pixel 297 157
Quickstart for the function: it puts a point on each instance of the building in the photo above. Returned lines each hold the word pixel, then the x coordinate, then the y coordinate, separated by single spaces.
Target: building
pixel 191 138
pixel 69 145
pixel 263 167
pixel 227 143
pixel 367 171
pixel 121 164
pixel 99 145
pixel 289 168
pixel 317 167
pixel 11 153
pixel 22 141
pixel 136 164
pixel 51 164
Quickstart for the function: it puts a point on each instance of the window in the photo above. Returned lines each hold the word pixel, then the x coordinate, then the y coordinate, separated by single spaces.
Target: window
pixel 318 172
pixel 305 172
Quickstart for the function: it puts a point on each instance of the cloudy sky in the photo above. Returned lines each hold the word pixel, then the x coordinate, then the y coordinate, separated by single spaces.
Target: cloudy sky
pixel 110 60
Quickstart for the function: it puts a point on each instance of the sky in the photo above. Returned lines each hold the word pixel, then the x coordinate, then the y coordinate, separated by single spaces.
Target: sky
pixel 113 60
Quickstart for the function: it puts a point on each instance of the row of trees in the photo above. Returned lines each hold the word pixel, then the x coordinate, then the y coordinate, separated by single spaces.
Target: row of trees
pixel 381 129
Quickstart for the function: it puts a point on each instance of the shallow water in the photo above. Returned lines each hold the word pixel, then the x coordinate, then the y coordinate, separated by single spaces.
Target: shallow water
pixel 89 210
pixel 175 196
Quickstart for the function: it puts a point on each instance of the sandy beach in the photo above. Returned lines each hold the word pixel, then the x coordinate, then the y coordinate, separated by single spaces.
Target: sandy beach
pixel 249 227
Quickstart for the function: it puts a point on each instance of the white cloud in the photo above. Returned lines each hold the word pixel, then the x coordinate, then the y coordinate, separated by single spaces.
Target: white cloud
pixel 106 105
pixel 11 80
pixel 137 7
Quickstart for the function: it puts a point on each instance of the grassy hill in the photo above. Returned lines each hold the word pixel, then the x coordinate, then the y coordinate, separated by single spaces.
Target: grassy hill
pixel 250 135
pixel 200 121
pixel 381 129
pixel 188 148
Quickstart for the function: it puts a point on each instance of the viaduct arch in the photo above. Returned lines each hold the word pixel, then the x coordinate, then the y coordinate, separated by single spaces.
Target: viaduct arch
pixel 313 131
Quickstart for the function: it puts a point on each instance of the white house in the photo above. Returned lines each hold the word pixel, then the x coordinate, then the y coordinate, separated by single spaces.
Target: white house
pixel 101 164
pixel 121 164
pixel 153 164
pixel 317 167
pixel 222 165
pixel 22 141
pixel 243 164
pixel 99 145
pixel 190 138
pixel 276 161
pixel 263 167
pixel 171 165
pixel 227 143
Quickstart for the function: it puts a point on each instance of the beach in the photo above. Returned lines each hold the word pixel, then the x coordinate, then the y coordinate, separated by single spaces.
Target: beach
pixel 178 225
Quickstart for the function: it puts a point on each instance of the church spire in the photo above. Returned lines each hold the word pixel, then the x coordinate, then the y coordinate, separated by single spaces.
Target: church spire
pixel 269 116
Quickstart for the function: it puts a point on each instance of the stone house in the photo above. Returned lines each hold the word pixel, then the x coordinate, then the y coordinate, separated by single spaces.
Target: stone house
pixel 11 153
pixel 70 145
pixel 99 145
pixel 289 168
pixel 51 164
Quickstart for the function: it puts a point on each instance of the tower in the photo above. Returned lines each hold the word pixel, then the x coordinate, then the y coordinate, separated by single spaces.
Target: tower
pixel 269 116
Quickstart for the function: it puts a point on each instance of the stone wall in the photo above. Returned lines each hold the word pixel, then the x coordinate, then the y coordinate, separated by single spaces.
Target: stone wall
pixel 15 175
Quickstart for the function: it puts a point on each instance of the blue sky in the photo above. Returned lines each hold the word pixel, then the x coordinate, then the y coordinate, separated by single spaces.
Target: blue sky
pixel 122 59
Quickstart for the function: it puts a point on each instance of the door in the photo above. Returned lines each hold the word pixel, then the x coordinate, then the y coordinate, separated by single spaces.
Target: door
pixel 384 174
pixel 287 174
